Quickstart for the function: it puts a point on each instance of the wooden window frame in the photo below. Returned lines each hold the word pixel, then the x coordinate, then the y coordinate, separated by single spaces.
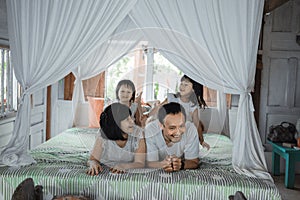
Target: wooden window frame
pixel 94 87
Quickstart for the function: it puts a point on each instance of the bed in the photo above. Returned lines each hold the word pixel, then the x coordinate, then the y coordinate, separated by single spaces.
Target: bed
pixel 61 167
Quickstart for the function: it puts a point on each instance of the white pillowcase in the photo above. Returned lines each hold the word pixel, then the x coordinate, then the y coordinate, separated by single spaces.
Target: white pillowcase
pixel 220 151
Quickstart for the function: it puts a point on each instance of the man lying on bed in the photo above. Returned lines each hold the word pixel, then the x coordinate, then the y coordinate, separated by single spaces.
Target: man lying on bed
pixel 121 144
pixel 172 142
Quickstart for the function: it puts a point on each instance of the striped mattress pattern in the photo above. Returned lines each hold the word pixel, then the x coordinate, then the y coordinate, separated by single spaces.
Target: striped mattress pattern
pixel 61 170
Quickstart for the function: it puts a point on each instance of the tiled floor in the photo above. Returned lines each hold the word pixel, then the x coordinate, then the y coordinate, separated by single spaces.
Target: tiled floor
pixel 288 194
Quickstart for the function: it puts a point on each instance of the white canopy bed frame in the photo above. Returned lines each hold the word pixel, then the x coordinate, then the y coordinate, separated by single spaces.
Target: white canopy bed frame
pixel 214 42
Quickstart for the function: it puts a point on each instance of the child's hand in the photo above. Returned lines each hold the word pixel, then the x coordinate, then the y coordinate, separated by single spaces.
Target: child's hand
pixel 94 168
pixel 138 99
pixel 205 145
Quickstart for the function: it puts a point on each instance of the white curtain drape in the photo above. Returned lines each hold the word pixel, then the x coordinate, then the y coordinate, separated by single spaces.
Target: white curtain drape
pixel 218 119
pixel 119 44
pixel 219 39
pixel 48 39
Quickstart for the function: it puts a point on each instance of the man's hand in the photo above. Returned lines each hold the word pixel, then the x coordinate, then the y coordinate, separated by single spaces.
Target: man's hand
pixel 167 164
pixel 172 163
pixel 176 163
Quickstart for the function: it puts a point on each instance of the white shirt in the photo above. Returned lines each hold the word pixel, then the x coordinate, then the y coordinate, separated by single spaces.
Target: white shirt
pixel 189 107
pixel 113 153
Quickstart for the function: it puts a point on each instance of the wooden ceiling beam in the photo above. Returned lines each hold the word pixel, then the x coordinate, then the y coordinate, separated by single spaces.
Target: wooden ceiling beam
pixel 270 5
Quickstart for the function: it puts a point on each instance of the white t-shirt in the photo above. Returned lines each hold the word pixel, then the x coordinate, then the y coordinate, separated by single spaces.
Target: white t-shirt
pixel 157 149
pixel 189 107
pixel 113 153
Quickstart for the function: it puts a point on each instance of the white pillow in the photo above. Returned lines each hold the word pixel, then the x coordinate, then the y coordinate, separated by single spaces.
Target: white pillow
pixel 220 151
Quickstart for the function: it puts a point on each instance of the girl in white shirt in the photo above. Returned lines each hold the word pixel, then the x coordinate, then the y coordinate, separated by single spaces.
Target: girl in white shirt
pixel 125 93
pixel 120 144
pixel 190 96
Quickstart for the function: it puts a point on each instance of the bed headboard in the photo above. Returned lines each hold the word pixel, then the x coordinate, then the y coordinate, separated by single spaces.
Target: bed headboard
pixel 208 116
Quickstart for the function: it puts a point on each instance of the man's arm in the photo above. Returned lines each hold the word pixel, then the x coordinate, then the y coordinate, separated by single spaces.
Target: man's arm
pixel 191 164
pixel 179 164
pixel 191 151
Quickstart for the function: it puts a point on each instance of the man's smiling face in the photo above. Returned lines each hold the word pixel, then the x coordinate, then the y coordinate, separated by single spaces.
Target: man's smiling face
pixel 173 127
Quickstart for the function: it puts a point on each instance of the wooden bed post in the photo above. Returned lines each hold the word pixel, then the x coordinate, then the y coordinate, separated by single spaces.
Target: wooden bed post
pixel 48 113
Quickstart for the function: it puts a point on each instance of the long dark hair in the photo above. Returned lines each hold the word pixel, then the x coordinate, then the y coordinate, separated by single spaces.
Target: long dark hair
pixel 128 83
pixel 197 96
pixel 110 121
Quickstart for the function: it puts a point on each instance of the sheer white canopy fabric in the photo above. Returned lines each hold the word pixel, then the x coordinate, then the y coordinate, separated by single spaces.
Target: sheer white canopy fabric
pixel 218 38
pixel 221 49
pixel 219 120
pixel 119 44
pixel 48 39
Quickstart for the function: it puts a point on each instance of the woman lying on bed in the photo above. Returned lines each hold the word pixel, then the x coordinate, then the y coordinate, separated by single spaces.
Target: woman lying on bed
pixel 120 144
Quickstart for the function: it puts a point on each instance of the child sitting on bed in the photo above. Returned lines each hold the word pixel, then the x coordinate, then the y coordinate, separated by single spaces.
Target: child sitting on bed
pixel 190 96
pixel 120 144
pixel 125 93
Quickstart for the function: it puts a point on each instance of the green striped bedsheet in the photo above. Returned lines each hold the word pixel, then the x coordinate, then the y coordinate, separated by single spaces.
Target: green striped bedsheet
pixel 61 167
